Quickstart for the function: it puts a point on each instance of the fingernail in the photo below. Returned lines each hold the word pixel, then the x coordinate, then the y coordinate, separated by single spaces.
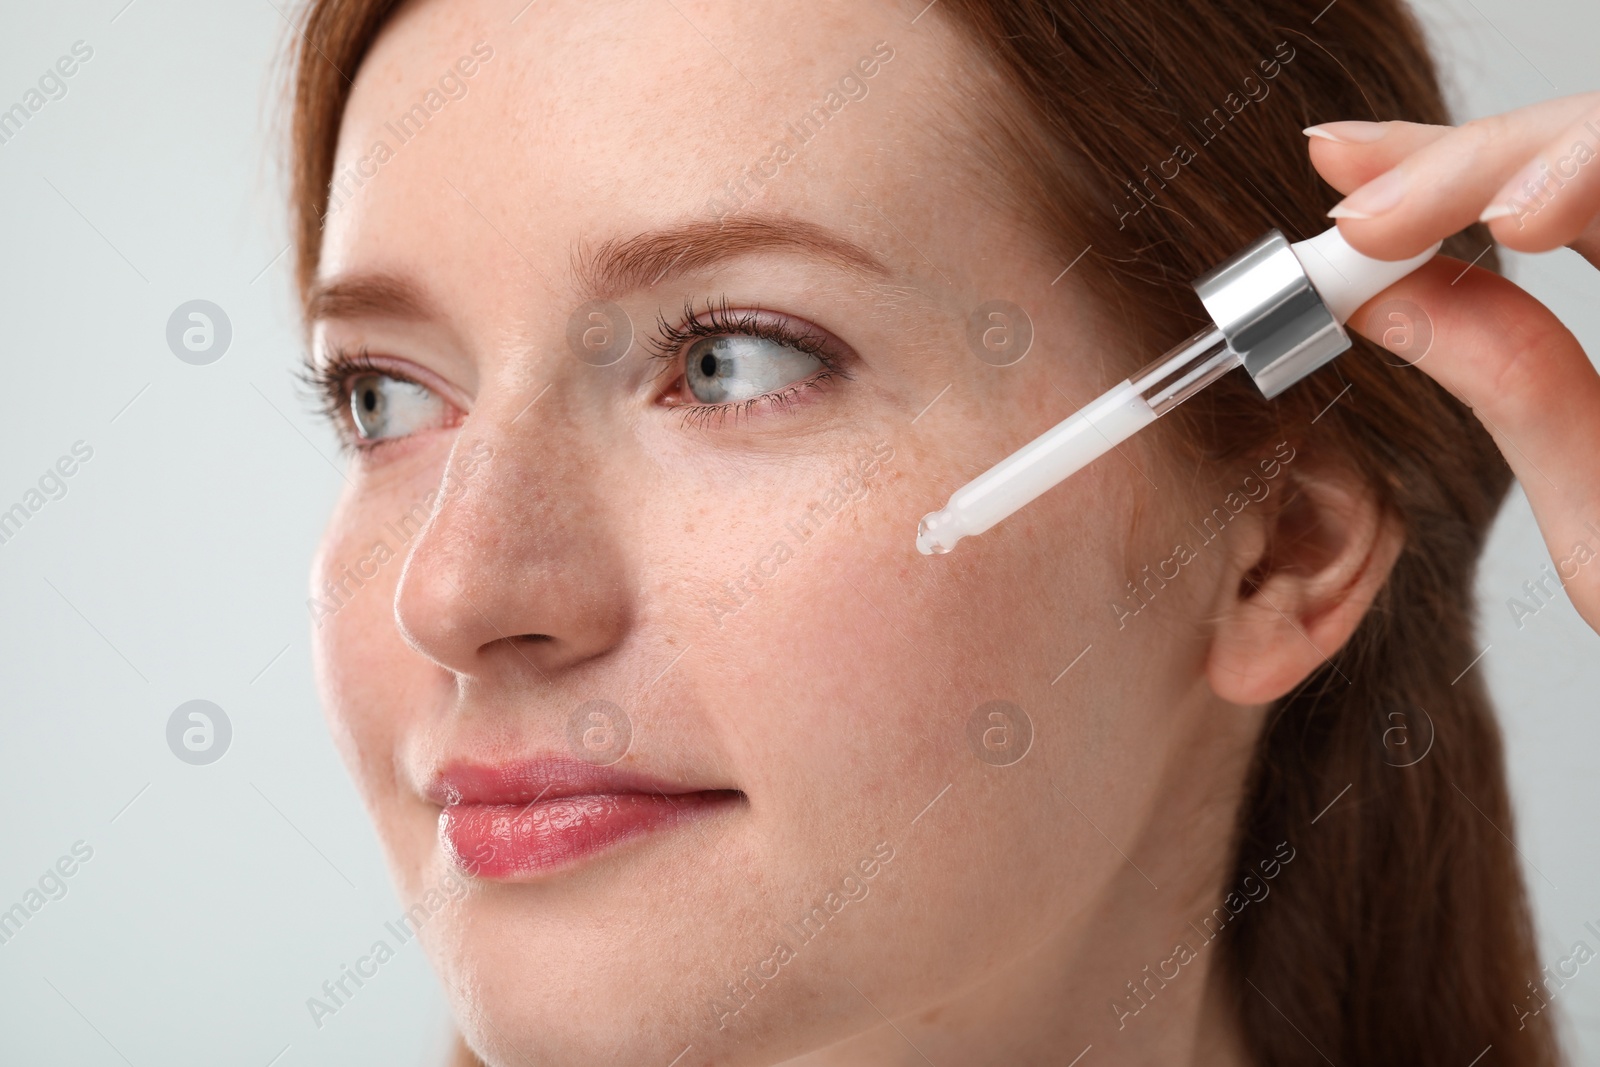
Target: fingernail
pixel 1348 132
pixel 1374 198
pixel 1514 196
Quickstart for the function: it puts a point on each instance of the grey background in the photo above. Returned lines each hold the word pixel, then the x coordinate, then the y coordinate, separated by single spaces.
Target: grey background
pixel 220 897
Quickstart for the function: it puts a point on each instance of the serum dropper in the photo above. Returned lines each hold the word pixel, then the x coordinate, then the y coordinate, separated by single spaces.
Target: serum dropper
pixel 1277 309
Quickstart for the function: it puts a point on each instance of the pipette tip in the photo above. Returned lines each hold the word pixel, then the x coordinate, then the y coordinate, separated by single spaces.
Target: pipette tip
pixel 930 541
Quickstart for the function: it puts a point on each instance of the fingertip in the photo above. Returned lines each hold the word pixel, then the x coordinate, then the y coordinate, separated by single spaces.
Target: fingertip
pixel 1340 165
pixel 1378 237
pixel 1509 231
pixel 1349 154
pixel 1513 234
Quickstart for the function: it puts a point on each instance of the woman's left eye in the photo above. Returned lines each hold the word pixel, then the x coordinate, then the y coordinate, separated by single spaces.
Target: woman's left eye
pixel 383 407
pixel 730 369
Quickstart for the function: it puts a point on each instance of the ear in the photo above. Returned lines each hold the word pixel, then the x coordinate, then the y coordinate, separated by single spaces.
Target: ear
pixel 1300 586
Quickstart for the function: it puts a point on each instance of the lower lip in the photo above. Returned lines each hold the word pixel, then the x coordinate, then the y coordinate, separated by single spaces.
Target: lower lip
pixel 508 842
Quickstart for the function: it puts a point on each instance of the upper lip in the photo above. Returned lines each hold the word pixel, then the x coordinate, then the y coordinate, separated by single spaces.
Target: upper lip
pixel 542 777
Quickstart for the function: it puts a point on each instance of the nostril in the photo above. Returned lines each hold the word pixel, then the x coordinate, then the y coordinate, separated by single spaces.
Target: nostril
pixel 533 638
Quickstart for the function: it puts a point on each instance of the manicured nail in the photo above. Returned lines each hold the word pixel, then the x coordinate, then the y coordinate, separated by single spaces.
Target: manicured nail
pixel 1374 198
pixel 1519 196
pixel 1348 132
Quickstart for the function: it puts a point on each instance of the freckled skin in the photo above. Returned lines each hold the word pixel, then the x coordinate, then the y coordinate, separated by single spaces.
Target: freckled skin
pixel 837 695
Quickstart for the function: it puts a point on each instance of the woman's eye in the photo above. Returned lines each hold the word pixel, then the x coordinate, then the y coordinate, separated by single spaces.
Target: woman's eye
pixel 384 407
pixel 723 370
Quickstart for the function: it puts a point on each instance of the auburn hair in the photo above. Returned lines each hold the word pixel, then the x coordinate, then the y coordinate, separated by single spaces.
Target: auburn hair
pixel 1164 137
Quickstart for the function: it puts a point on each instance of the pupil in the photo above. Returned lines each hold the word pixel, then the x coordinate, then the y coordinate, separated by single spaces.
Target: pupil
pixel 708 365
pixel 369 399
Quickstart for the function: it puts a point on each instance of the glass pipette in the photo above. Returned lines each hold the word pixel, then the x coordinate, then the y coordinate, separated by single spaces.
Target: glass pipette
pixel 1277 309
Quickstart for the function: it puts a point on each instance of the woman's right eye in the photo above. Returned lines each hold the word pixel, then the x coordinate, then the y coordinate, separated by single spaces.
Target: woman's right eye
pixel 383 407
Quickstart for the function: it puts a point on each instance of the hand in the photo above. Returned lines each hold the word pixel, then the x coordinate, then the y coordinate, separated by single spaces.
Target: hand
pixel 1534 176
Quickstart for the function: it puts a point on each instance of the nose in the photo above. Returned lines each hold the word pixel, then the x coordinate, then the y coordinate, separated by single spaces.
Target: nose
pixel 518 570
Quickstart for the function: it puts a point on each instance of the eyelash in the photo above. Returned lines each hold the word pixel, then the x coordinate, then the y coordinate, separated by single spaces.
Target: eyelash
pixel 719 320
pixel 329 381
pixel 329 385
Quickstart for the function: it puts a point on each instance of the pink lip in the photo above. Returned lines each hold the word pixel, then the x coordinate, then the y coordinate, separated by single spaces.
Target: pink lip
pixel 516 821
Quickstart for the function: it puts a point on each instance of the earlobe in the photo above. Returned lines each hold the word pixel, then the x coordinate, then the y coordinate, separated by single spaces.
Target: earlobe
pixel 1295 597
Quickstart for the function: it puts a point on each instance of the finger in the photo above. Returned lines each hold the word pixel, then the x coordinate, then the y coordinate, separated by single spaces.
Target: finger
pixel 1587 243
pixel 1523 373
pixel 1444 187
pixel 1553 199
pixel 1348 155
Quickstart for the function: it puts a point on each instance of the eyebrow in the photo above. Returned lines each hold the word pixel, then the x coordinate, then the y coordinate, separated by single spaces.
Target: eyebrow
pixel 368 295
pixel 622 265
pixel 618 265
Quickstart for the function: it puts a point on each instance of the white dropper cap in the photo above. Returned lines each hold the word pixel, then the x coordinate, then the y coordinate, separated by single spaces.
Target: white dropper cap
pixel 1346 279
pixel 1281 316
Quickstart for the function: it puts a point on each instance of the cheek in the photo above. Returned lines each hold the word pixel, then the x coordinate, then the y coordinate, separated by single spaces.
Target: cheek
pixel 364 667
pixel 847 684
pixel 371 682
pixel 872 657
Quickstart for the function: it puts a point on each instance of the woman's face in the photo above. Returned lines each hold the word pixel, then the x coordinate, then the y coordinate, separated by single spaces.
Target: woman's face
pixel 672 737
